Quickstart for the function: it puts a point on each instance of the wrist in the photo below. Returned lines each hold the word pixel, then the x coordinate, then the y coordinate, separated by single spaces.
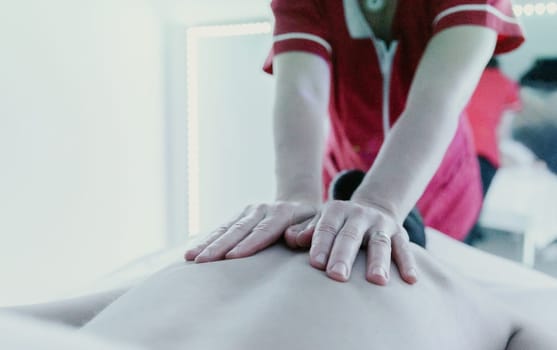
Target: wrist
pixel 307 198
pixel 379 203
pixel 300 188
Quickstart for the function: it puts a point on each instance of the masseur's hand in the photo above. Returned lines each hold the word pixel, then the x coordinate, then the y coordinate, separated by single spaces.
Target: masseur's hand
pixel 256 228
pixel 343 227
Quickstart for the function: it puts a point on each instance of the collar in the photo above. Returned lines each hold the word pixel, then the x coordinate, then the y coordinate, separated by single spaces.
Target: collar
pixel 355 20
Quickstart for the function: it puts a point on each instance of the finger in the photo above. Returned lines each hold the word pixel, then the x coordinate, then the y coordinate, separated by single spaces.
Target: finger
pixel 345 248
pixel 192 253
pixel 304 237
pixel 328 226
pixel 267 232
pixel 235 233
pixel 404 258
pixel 293 231
pixel 378 256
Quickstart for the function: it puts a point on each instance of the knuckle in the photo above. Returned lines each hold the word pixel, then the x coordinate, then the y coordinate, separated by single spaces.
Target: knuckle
pixel 262 227
pixel 238 226
pixel 359 211
pixel 282 207
pixel 220 230
pixel 403 235
pixel 401 242
pixel 263 207
pixel 404 245
pixel 381 241
pixel 350 234
pixel 327 229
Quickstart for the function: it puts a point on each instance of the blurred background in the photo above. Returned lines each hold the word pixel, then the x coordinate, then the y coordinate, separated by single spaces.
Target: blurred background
pixel 127 125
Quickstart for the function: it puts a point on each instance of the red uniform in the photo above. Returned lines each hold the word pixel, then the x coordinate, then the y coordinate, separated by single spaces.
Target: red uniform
pixel 370 84
pixel 494 95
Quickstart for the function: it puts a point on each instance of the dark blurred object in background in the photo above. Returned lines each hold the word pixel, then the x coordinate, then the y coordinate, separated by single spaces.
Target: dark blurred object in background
pixel 542 75
pixel 536 126
pixel 541 139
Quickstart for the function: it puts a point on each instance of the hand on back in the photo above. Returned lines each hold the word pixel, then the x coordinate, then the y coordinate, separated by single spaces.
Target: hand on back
pixel 256 228
pixel 346 226
pixel 334 236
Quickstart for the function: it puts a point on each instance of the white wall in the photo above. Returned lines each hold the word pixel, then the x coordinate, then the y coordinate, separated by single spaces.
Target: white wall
pixel 197 12
pixel 236 155
pixel 81 141
pixel 178 15
pixel 234 106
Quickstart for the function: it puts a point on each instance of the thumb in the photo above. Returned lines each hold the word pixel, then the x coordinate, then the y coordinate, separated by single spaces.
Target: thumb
pixel 303 240
pixel 292 232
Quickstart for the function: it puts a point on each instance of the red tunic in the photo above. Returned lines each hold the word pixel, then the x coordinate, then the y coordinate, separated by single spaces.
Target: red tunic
pixel 494 95
pixel 370 84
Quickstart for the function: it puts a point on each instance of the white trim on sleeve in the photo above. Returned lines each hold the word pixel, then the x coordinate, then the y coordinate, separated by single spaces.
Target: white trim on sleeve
pixel 304 36
pixel 477 7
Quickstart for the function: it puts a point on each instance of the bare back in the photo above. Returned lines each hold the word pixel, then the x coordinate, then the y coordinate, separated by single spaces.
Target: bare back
pixel 275 300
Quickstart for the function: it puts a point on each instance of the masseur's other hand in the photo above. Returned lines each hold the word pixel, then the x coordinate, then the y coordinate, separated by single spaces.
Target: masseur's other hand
pixel 343 227
pixel 256 228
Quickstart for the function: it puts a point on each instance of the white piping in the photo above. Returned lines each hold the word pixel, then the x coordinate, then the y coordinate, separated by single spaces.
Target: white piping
pixel 305 36
pixel 357 26
pixel 463 8
pixel 385 56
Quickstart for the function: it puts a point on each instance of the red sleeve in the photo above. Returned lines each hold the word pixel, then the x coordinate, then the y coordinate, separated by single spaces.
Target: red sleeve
pixel 299 26
pixel 495 14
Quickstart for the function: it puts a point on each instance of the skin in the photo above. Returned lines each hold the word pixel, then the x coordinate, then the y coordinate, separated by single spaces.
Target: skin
pixel 74 312
pixel 444 81
pixel 23 333
pixel 274 300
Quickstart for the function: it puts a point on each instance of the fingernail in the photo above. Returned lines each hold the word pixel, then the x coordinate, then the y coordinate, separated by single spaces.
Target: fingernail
pixel 233 252
pixel 294 230
pixel 340 269
pixel 200 259
pixel 321 259
pixel 412 273
pixel 302 239
pixel 378 271
pixel 206 254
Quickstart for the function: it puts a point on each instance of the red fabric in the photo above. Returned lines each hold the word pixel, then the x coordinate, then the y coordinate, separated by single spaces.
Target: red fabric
pixel 495 94
pixel 452 200
pixel 494 14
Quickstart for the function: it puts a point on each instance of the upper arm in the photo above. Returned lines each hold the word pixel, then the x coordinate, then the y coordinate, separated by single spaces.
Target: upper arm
pixel 301 53
pixel 450 68
pixel 302 77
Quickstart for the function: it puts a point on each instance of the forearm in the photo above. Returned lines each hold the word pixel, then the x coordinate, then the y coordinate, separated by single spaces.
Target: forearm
pixel 407 161
pixel 299 140
pixel 300 113
pixel 444 81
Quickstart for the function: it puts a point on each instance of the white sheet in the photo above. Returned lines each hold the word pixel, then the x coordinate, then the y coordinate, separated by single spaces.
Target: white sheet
pixel 484 267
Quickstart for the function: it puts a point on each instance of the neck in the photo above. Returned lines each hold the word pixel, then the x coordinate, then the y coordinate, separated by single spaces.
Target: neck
pixel 374 5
